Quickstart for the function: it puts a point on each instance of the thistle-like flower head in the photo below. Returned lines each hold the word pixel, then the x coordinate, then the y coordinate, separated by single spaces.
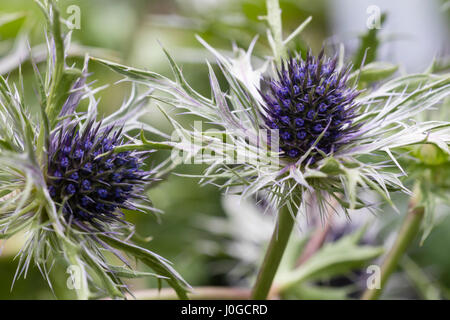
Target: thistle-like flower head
pixel 310 97
pixel 353 140
pixel 89 180
pixel 66 179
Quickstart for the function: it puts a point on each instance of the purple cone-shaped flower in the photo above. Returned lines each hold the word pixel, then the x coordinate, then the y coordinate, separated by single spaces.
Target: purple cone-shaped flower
pixel 308 98
pixel 89 180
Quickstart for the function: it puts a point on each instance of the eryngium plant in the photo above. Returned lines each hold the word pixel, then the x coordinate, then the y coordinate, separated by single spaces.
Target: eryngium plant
pixel 66 179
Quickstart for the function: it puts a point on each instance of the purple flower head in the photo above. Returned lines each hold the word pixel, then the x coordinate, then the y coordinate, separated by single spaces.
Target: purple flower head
pixel 93 183
pixel 316 99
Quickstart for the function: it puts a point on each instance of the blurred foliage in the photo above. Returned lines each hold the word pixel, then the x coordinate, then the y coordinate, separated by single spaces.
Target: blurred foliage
pixel 368 46
pixel 129 31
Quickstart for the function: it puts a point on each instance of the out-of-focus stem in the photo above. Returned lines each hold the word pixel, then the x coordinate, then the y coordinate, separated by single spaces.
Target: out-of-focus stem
pixel 198 293
pixel 425 287
pixel 406 235
pixel 274 254
pixel 316 241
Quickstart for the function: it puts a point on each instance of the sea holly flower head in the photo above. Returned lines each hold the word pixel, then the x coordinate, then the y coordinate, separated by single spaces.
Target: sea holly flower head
pixel 66 179
pixel 309 98
pixel 89 180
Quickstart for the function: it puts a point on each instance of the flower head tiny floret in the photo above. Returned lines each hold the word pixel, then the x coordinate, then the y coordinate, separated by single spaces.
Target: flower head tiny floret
pixel 310 97
pixel 89 180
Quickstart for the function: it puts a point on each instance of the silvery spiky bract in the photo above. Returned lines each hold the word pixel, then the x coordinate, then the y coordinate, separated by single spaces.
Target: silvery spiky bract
pixel 309 97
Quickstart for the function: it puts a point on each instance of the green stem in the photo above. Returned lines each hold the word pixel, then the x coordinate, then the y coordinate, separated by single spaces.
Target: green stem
pixel 198 293
pixel 424 286
pixel 274 254
pixel 58 67
pixel 274 20
pixel 406 235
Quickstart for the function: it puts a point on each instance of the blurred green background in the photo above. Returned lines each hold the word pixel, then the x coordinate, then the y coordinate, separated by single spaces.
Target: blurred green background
pixel 133 32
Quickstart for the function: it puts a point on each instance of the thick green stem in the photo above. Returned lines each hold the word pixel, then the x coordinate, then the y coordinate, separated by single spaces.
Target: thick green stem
pixel 274 254
pixel 406 235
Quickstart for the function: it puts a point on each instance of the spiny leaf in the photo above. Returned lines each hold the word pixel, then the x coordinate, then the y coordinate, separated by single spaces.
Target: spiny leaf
pixel 154 261
pixel 333 259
